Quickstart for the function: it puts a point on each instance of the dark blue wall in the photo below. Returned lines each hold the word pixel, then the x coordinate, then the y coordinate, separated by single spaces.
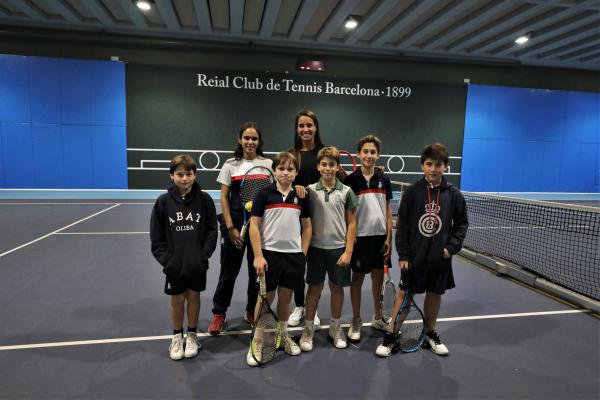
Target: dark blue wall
pixel 62 123
pixel 530 140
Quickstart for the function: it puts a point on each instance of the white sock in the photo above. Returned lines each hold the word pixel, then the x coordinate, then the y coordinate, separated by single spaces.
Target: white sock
pixel 284 328
pixel 309 323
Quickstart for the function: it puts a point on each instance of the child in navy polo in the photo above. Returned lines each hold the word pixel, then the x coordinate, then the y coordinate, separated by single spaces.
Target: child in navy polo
pixel 373 231
pixel 280 231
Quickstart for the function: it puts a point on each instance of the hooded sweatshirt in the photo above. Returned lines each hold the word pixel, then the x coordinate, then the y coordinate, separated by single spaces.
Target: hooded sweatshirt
pixel 429 220
pixel 183 231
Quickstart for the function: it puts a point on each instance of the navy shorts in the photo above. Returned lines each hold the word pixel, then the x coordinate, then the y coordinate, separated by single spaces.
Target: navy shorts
pixel 178 285
pixel 367 254
pixel 284 269
pixel 434 279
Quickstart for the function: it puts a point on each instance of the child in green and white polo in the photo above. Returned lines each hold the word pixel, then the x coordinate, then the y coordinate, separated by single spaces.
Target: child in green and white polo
pixel 334 231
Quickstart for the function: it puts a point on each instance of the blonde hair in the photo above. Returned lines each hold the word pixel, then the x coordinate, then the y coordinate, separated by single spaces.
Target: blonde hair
pixel 329 152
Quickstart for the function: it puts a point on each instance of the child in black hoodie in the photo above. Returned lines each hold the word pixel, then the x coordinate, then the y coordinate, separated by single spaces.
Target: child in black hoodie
pixel 183 233
pixel 432 224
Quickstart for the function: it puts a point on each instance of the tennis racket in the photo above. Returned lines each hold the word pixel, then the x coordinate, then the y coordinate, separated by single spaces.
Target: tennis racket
pixel 409 325
pixel 388 295
pixel 347 160
pixel 266 332
pixel 254 180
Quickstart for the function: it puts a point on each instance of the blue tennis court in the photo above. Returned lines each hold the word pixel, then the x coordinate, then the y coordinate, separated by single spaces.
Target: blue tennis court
pixel 85 317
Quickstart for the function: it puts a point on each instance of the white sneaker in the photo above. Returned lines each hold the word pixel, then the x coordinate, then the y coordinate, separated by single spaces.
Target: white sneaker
pixel 380 324
pixel 290 346
pixel 250 360
pixel 354 331
pixel 176 348
pixel 192 345
pixel 433 342
pixel 296 316
pixel 317 321
pixel 306 340
pixel 385 349
pixel 336 334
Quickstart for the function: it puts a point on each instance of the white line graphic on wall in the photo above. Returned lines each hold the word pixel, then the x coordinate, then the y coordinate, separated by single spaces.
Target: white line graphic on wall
pixel 212 160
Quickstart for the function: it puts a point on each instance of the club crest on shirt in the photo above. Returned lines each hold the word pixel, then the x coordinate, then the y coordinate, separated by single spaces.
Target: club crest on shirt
pixel 430 223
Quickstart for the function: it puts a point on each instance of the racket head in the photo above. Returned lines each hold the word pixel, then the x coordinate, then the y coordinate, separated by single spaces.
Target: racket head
pixel 266 332
pixel 347 160
pixel 409 326
pixel 388 296
pixel 254 180
pixel 266 335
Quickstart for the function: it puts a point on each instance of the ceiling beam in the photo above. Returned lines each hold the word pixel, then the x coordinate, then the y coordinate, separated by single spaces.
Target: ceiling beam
pixel 531 25
pixel 371 19
pixel 560 40
pixel 581 53
pixel 593 57
pixel 236 17
pixel 64 11
pixel 571 47
pixel 584 5
pixel 202 16
pixel 28 10
pixel 549 32
pixel 415 9
pixel 307 10
pixel 269 18
pixel 168 14
pixel 449 12
pixel 496 25
pixel 134 14
pixel 463 25
pixel 100 12
pixel 336 20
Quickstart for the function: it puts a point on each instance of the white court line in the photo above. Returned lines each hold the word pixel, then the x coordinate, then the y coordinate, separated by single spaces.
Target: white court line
pixel 103 233
pixel 58 230
pixel 249 331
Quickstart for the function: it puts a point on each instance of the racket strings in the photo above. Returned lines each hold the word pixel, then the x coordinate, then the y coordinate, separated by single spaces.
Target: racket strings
pixel 387 303
pixel 410 328
pixel 266 334
pixel 252 185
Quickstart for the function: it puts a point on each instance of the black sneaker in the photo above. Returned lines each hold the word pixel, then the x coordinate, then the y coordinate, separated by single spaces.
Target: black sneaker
pixel 388 347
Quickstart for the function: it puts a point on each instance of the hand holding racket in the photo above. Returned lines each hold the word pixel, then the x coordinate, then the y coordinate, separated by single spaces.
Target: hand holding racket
pixel 409 325
pixel 254 180
pixel 266 332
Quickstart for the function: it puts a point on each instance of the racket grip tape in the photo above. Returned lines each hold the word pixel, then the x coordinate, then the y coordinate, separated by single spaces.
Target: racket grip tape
pixel 243 231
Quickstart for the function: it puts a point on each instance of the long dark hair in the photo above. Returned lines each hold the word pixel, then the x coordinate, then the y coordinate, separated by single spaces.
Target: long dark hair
pixel 297 140
pixel 238 153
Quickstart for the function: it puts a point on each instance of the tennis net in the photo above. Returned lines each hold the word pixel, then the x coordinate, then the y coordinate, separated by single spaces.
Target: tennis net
pixel 559 242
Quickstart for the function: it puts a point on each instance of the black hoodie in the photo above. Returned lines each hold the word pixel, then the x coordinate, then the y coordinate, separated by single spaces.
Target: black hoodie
pixel 429 220
pixel 183 231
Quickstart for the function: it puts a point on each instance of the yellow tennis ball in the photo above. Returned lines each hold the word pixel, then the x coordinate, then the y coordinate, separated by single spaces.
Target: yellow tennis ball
pixel 248 206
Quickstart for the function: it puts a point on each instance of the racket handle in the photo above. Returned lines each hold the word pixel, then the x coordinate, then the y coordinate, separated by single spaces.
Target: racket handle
pixel 262 284
pixel 243 231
